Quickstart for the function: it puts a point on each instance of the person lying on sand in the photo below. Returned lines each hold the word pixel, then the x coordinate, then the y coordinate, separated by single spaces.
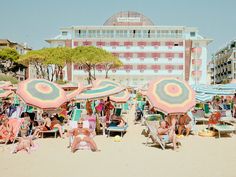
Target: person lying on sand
pixel 166 134
pixel 25 143
pixel 82 134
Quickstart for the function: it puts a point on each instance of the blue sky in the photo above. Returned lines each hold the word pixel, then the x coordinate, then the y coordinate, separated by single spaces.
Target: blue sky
pixel 33 21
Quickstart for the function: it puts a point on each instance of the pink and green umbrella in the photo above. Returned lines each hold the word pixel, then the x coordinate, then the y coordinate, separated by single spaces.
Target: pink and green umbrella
pixel 41 93
pixel 72 94
pixel 103 82
pixel 121 97
pixel 100 92
pixel 171 95
pixel 5 93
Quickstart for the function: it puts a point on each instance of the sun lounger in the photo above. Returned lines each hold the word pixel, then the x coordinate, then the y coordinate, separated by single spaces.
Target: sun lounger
pixel 223 129
pixel 199 116
pixel 152 133
pixel 122 129
pixel 118 111
pixel 53 131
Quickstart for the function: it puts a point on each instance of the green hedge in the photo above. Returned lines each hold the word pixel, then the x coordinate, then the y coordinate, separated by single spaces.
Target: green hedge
pixel 10 78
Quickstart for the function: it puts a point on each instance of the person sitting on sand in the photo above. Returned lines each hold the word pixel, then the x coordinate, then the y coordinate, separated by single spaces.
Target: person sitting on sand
pixel 81 134
pixel 166 134
pixel 6 131
pixel 184 123
pixel 48 125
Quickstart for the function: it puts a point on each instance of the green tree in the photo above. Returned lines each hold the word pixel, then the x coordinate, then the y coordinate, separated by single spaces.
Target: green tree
pixel 89 57
pixel 48 62
pixel 56 59
pixel 111 62
pixel 36 59
pixel 8 61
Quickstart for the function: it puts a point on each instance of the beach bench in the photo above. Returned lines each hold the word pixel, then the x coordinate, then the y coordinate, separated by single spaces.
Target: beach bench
pixel 223 129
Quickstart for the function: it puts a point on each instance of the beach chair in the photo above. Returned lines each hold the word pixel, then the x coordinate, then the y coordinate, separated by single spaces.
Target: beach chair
pixel 118 111
pixel 125 108
pixel 199 116
pixel 152 134
pixel 53 131
pixel 112 128
pixel 223 129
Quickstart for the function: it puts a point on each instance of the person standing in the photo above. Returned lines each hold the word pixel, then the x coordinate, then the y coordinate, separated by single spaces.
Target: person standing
pixel 108 108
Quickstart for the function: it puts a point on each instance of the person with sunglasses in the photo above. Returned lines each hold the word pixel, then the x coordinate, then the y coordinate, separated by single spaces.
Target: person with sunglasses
pixel 81 134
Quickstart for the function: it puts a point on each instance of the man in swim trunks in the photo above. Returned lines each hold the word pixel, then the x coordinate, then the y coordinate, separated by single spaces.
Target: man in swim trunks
pixel 166 134
pixel 82 134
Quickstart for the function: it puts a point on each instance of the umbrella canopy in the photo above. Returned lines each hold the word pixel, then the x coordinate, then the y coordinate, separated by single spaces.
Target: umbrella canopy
pixel 72 94
pixel 5 93
pixel 171 95
pixel 121 97
pixel 5 84
pixel 100 92
pixel 202 97
pixel 41 93
pixel 103 82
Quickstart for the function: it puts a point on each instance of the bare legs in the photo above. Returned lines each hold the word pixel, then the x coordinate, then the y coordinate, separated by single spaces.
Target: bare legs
pixel 88 140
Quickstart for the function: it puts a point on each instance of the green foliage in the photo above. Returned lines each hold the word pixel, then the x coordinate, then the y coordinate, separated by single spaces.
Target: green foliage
pixel 10 78
pixel 90 56
pixel 61 82
pixel 8 61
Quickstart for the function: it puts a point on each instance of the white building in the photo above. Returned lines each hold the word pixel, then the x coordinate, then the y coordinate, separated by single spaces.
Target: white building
pixel 146 50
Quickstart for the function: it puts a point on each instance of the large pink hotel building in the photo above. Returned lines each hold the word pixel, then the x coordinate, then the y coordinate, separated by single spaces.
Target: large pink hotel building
pixel 146 50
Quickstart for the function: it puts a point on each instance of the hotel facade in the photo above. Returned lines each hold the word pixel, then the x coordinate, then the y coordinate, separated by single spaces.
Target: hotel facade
pixel 146 50
pixel 223 64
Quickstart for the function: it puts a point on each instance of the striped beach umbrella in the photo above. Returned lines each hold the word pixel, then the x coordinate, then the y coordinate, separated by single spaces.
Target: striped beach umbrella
pixel 72 94
pixel 5 93
pixel 100 92
pixel 103 82
pixel 5 84
pixel 202 97
pixel 121 97
pixel 170 95
pixel 41 93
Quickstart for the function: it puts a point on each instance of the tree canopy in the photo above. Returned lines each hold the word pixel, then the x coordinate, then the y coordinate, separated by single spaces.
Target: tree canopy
pixel 8 61
pixel 89 57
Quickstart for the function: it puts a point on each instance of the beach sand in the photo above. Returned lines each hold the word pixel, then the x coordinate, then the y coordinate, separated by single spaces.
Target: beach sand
pixel 197 157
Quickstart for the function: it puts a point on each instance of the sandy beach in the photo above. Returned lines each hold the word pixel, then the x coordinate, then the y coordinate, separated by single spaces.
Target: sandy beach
pixel 197 157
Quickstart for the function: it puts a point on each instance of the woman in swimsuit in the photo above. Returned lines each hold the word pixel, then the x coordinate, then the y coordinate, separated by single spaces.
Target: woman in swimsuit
pixel 82 134
pixel 6 131
pixel 167 134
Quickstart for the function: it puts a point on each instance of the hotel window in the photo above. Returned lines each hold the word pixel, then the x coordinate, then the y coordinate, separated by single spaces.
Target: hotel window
pixel 104 33
pixel 193 34
pixel 83 33
pixel 145 33
pixel 64 33
pixel 138 34
pixel 91 33
pixel 152 34
pixel 98 33
pixel 158 33
pixel 77 33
